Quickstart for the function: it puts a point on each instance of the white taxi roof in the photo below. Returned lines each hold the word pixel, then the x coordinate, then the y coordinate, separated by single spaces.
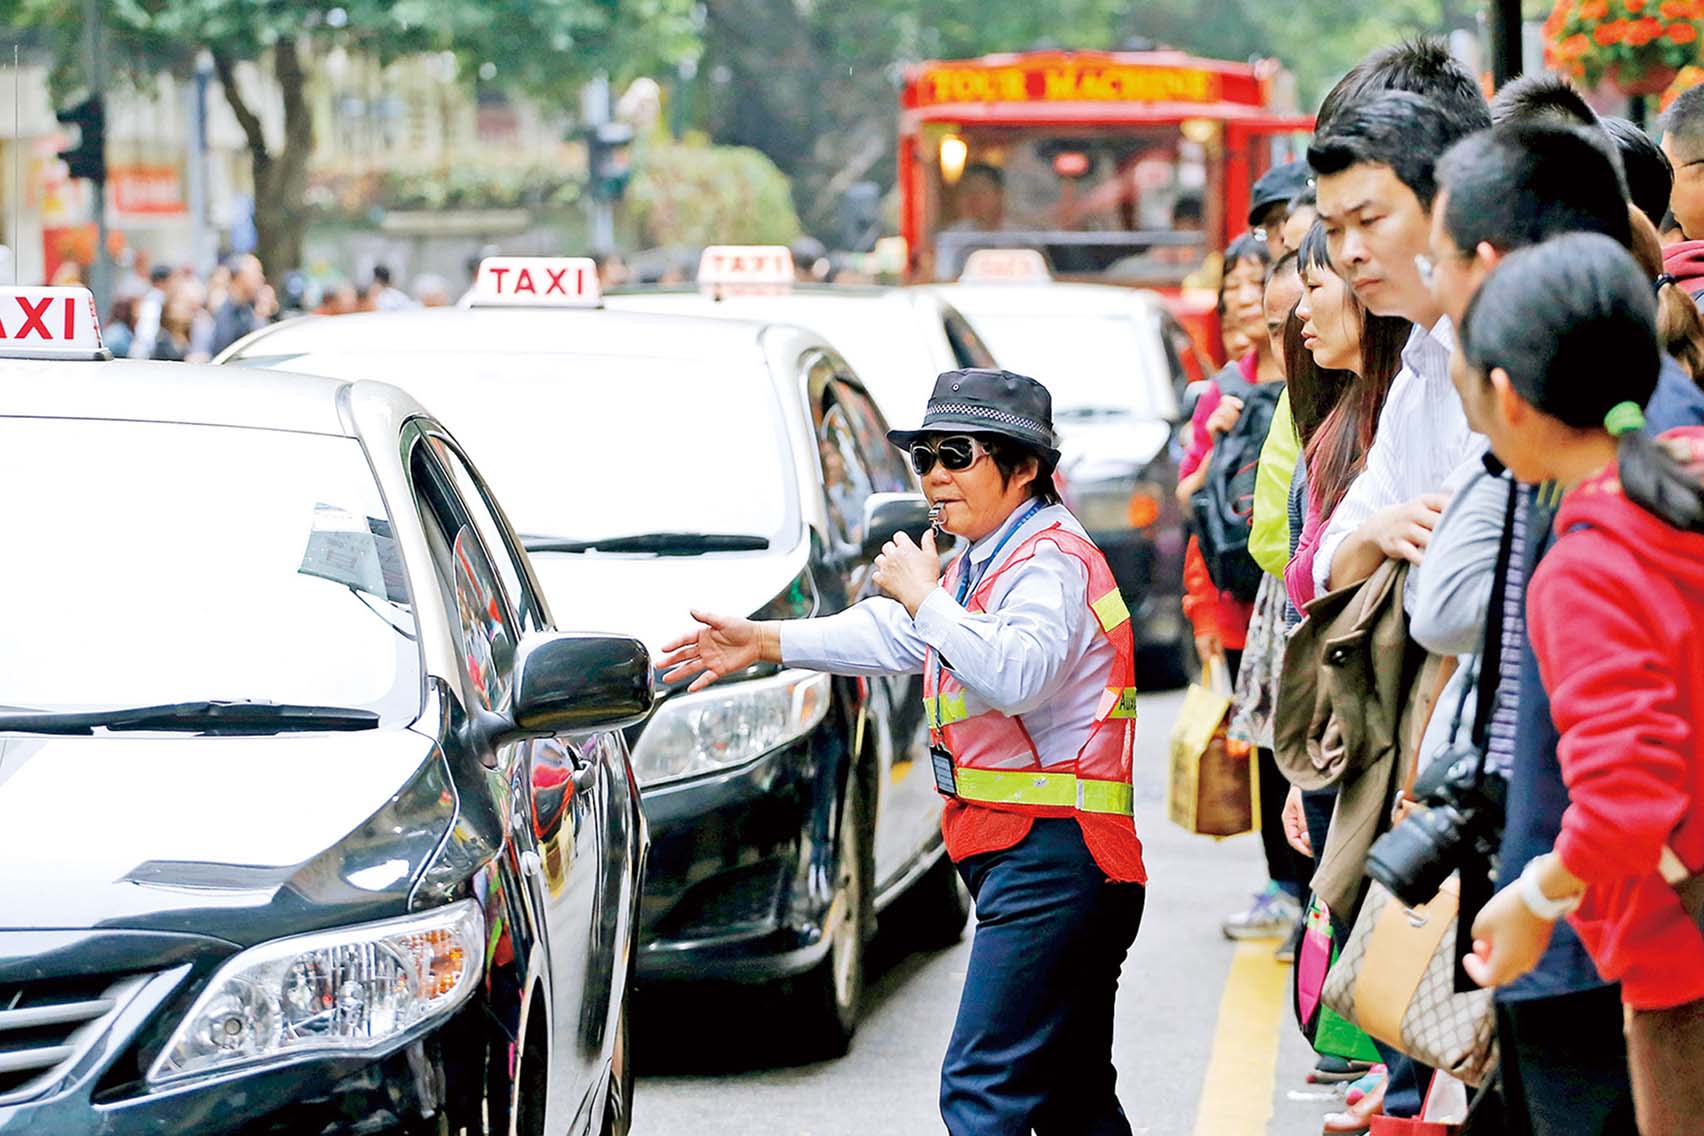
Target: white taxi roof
pixel 495 331
pixel 194 393
pixel 1045 298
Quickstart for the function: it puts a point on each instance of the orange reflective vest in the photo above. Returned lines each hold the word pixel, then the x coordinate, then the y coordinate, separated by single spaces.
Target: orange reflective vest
pixel 995 767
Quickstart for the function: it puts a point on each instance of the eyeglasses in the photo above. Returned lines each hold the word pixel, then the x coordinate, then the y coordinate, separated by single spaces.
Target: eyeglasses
pixel 957 453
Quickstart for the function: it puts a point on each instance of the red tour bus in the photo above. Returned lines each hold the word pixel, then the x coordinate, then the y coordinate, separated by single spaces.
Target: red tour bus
pixel 1120 167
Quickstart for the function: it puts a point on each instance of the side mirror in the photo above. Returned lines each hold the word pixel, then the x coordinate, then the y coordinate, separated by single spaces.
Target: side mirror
pixel 570 682
pixel 886 515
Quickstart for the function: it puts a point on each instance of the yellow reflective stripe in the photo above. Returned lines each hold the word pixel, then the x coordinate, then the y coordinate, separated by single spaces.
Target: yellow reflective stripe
pixel 1106 797
pixel 1110 610
pixel 945 709
pixel 1125 706
pixel 1010 787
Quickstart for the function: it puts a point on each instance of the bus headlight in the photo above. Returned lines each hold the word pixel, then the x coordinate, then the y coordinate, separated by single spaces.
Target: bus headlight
pixel 728 725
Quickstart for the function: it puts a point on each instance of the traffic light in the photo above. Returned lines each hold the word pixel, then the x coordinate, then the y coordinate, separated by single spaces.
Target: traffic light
pixel 87 159
pixel 860 216
pixel 609 159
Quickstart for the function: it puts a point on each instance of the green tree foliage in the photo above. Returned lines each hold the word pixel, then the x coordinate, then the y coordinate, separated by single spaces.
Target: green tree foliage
pixel 544 47
pixel 693 193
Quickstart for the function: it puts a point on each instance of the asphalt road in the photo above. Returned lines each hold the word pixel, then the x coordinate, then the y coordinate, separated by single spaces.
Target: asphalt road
pixel 1205 1045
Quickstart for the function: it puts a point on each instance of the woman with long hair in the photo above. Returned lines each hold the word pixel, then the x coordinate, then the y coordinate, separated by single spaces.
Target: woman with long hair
pixel 1343 337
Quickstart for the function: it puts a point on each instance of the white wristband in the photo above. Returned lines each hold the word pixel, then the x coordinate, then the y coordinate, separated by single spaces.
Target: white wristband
pixel 1541 905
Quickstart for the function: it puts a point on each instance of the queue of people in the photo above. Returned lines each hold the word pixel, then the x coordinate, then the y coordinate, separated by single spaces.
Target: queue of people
pixel 171 313
pixel 1464 620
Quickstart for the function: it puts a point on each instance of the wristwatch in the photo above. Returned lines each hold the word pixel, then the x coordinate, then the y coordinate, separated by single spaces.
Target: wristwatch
pixel 1541 905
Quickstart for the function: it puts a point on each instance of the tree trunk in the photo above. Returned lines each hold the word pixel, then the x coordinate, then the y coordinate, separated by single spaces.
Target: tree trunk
pixel 280 176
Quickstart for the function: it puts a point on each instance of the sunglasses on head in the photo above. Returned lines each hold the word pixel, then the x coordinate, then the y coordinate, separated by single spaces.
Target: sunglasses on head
pixel 956 453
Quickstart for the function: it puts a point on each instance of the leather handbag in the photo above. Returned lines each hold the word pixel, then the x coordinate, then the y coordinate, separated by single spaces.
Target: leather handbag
pixel 1396 980
pixel 1213 789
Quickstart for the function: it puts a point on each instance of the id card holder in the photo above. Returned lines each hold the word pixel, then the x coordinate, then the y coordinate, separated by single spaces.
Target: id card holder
pixel 942 762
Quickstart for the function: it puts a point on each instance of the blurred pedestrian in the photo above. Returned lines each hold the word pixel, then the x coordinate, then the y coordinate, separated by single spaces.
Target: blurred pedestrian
pixel 382 296
pixel 119 328
pixel 1269 202
pixel 339 300
pixel 432 291
pixel 1025 651
pixel 1683 142
pixel 148 312
pixel 246 306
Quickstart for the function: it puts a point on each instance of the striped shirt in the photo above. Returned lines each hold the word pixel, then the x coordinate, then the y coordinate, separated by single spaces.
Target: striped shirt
pixel 1422 437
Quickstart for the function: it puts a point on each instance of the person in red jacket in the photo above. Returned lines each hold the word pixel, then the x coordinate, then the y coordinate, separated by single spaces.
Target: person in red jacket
pixel 1616 615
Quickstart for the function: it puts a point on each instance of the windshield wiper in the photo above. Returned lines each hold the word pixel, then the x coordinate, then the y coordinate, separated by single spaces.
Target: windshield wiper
pixel 661 543
pixel 208 716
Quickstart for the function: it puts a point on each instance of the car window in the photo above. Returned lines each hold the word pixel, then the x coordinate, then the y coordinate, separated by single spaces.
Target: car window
pixel 968 348
pixel 505 556
pixel 156 562
pixel 484 628
pixel 844 477
pixel 595 421
pixel 887 469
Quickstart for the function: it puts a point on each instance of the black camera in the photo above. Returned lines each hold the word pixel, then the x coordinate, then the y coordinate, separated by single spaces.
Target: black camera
pixel 1457 821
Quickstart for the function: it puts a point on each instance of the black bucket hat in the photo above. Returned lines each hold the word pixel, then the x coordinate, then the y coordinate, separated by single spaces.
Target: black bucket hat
pixel 980 401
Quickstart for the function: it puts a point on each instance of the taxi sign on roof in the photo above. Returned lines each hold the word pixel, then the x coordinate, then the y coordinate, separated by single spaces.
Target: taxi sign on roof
pixel 50 323
pixel 1007 265
pixel 728 270
pixel 536 282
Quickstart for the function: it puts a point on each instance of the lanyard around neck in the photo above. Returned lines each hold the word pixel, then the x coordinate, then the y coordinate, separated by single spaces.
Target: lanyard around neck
pixel 964 563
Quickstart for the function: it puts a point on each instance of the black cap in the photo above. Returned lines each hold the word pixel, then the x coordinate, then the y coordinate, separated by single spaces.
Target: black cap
pixel 1277 185
pixel 980 401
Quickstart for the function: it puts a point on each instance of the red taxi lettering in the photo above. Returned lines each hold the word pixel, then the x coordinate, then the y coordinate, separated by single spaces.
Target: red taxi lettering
pixel 34 318
pixel 497 278
pixel 553 281
pixel 524 282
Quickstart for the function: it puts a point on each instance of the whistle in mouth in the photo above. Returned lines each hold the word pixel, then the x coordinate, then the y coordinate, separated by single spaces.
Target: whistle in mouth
pixel 935 514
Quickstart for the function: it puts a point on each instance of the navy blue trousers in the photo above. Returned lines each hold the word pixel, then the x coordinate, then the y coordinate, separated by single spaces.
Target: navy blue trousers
pixel 1032 1047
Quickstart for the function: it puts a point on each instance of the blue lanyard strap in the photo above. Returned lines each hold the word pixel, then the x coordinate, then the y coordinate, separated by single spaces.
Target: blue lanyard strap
pixel 964 570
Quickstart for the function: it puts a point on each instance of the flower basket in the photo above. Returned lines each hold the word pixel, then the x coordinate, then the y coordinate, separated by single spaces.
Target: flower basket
pixel 1638 46
pixel 1654 81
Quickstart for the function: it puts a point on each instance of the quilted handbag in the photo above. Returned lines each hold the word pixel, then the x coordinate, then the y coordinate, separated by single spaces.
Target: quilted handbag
pixel 1396 980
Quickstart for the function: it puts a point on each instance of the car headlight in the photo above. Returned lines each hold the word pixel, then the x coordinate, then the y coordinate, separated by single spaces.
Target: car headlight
pixel 728 725
pixel 349 991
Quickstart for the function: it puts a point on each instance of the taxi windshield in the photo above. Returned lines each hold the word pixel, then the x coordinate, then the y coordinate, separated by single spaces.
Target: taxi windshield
pixel 606 446
pixel 1124 203
pixel 1070 354
pixel 158 563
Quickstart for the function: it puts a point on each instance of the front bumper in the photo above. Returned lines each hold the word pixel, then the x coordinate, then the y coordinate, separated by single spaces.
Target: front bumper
pixel 445 1071
pixel 730 893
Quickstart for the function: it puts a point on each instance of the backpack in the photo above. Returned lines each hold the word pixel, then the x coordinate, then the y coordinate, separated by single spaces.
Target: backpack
pixel 1224 505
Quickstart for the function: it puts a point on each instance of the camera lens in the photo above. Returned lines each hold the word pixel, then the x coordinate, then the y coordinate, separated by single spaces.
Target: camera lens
pixel 1415 858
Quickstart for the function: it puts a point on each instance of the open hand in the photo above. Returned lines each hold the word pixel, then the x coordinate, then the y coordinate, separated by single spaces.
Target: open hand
pixel 1403 531
pixel 1296 823
pixel 1508 940
pixel 723 645
pixel 909 572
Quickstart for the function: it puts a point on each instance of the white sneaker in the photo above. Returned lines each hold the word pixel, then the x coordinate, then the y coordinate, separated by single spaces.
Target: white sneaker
pixel 1272 915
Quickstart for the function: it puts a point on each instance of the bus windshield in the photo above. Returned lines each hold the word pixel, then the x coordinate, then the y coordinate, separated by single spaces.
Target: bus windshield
pixel 1126 203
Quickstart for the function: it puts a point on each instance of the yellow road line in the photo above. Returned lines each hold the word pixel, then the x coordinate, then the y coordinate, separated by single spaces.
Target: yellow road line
pixel 1236 1096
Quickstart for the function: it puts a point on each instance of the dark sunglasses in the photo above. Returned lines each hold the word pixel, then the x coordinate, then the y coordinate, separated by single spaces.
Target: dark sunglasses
pixel 956 453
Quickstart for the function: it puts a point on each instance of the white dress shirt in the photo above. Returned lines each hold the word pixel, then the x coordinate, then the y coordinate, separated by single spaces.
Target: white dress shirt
pixel 1036 654
pixel 1422 437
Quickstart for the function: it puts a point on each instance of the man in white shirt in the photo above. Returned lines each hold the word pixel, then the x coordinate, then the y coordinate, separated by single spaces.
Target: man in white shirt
pixel 1375 169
